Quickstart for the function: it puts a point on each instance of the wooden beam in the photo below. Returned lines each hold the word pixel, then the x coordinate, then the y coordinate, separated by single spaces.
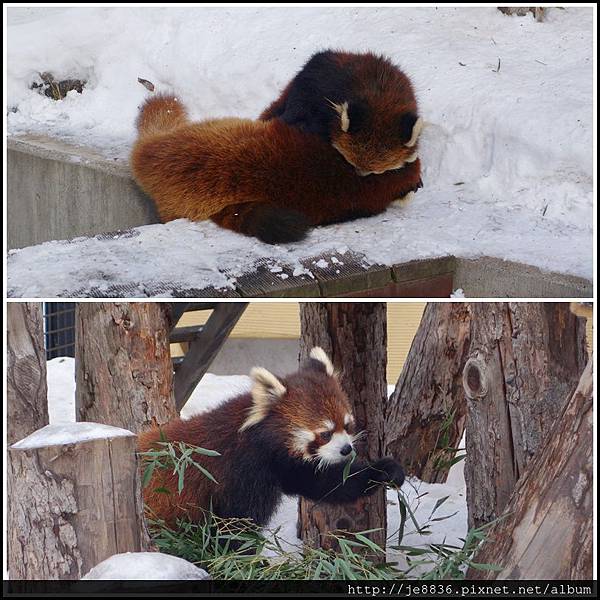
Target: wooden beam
pixel 204 348
pixel 185 334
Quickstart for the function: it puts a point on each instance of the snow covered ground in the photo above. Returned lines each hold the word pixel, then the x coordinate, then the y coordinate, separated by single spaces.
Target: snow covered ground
pixel 212 390
pixel 507 150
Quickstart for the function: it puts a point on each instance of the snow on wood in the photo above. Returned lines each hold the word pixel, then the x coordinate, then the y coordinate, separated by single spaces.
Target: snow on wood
pixel 75 500
pixel 149 566
pixel 69 433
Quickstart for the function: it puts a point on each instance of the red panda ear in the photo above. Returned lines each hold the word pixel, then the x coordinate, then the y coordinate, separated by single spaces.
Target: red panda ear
pixel 410 129
pixel 357 115
pixel 320 361
pixel 266 389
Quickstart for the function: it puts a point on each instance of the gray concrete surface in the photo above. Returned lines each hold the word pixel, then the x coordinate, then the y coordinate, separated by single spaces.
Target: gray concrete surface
pixel 489 277
pixel 59 191
pixel 239 355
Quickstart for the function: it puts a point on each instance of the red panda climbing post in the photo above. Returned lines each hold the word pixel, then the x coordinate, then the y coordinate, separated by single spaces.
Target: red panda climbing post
pixel 354 335
pixel 524 362
pixel 123 370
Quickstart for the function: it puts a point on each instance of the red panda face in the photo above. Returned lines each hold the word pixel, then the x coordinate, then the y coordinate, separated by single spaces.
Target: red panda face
pixel 376 139
pixel 308 410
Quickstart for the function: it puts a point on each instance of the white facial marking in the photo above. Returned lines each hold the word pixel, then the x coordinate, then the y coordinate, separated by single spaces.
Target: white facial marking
pixel 328 425
pixel 330 452
pixel 348 418
pixel 302 438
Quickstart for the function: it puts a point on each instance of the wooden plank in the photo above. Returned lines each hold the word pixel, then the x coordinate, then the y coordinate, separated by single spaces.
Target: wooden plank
pixel 434 287
pixel 275 282
pixel 177 310
pixel 424 269
pixel 204 348
pixel 345 274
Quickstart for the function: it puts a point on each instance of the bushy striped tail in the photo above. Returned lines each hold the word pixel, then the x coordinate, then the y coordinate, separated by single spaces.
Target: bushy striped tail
pixel 160 113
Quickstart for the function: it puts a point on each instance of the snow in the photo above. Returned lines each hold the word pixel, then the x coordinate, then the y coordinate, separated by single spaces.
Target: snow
pixel 213 390
pixel 146 565
pixel 60 375
pixel 507 148
pixel 69 433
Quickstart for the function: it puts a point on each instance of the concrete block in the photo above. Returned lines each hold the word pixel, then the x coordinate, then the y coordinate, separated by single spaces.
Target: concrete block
pixel 59 191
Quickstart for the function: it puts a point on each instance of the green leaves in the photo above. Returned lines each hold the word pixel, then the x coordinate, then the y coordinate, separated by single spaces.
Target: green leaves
pixel 176 456
pixel 348 466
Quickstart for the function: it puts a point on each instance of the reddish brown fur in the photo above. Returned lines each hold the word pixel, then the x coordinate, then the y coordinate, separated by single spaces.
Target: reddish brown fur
pixel 310 398
pixel 202 170
pixel 388 93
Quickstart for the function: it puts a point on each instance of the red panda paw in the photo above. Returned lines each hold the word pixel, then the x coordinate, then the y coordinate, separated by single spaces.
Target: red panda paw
pixel 387 470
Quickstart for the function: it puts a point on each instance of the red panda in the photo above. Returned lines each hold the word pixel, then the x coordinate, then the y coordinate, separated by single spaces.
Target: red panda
pixel 361 104
pixel 289 435
pixel 275 180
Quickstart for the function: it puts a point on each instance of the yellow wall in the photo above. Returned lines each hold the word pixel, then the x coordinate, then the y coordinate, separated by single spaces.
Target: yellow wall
pixel 281 320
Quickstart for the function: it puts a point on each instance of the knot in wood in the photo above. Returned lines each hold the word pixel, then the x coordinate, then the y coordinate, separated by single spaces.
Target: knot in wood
pixel 475 379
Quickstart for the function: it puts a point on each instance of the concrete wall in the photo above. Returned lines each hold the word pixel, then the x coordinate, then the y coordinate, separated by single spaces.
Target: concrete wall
pixel 238 356
pixel 56 191
pixel 496 278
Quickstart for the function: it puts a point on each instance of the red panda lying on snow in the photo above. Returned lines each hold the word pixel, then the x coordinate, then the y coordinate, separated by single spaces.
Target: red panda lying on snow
pixel 287 436
pixel 340 143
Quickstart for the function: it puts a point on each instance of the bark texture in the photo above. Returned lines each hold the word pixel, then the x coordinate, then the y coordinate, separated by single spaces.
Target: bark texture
pixel 547 528
pixel 73 506
pixel 426 413
pixel 27 392
pixel 526 359
pixel 123 373
pixel 354 335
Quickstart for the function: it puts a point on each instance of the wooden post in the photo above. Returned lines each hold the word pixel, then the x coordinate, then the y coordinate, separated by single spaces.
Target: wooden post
pixel 354 336
pixel 27 392
pixel 123 370
pixel 427 411
pixel 76 500
pixel 525 359
pixel 547 528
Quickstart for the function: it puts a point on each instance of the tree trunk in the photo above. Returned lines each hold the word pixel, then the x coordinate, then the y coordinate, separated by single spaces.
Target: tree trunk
pixel 426 414
pixel 547 527
pixel 354 336
pixel 74 503
pixel 123 372
pixel 525 360
pixel 27 391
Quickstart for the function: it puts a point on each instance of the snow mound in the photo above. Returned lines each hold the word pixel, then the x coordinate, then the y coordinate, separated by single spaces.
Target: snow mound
pixel 146 565
pixel 214 390
pixel 69 433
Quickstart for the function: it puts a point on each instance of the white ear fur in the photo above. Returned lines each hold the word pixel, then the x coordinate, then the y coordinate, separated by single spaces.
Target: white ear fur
pixel 417 128
pixel 266 388
pixel 317 353
pixel 345 119
pixel 342 110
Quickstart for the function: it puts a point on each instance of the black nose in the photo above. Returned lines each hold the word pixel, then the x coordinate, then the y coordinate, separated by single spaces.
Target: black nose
pixel 346 450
